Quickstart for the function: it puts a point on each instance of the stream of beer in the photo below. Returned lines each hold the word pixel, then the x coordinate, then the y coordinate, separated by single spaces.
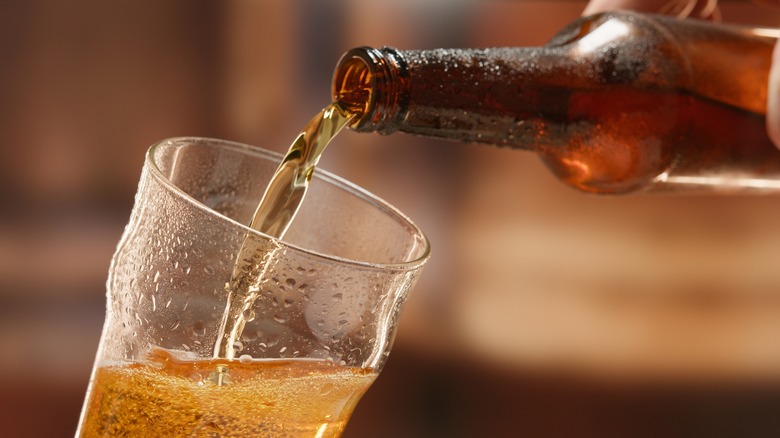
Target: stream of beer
pixel 276 211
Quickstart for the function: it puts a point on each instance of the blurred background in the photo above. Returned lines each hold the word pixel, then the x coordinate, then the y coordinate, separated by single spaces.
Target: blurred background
pixel 543 312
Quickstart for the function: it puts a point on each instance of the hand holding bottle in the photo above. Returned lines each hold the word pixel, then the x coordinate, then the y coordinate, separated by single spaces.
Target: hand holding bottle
pixel 706 9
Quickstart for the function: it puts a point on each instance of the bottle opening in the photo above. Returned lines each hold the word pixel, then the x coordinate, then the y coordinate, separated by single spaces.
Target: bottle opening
pixel 352 86
pixel 371 85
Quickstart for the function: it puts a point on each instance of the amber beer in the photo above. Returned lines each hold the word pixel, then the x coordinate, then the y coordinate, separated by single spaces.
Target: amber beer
pixel 615 103
pixel 178 398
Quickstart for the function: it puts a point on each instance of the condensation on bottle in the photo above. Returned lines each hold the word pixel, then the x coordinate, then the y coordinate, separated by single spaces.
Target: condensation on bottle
pixel 615 103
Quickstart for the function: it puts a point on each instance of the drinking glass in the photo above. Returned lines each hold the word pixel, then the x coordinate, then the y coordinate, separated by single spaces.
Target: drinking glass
pixel 317 310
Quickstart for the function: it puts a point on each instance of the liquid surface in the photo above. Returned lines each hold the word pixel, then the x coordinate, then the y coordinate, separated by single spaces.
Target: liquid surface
pixel 174 398
pixel 277 209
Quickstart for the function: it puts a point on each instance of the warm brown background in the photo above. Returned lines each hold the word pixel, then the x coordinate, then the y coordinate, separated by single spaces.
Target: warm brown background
pixel 543 312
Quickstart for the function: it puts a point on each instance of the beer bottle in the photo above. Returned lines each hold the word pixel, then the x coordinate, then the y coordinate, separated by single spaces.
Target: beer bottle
pixel 615 103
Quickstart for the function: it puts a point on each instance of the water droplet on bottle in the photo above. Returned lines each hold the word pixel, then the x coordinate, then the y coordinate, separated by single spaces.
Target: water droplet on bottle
pixel 208 270
pixel 245 359
pixel 238 346
pixel 288 302
pixel 290 282
pixel 280 319
pixel 249 315
pixel 338 296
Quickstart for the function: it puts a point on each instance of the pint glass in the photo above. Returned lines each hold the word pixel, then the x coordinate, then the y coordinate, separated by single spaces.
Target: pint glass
pixel 314 335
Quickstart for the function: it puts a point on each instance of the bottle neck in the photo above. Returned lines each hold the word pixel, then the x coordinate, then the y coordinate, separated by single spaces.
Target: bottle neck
pixel 373 85
pixel 510 96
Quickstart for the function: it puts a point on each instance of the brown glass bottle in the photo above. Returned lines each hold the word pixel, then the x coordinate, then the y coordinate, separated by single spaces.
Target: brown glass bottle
pixel 615 103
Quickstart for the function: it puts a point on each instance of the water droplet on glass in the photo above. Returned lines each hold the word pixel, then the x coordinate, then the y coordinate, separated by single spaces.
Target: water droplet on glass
pixel 288 302
pixel 249 315
pixel 245 359
pixel 338 296
pixel 199 329
pixel 238 346
pixel 290 282
pixel 280 319
pixel 249 335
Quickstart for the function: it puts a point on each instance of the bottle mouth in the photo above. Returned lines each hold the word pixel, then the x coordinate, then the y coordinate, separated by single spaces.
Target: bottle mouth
pixel 369 84
pixel 353 82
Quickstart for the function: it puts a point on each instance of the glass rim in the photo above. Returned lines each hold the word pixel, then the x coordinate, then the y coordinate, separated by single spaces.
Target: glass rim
pixel 320 174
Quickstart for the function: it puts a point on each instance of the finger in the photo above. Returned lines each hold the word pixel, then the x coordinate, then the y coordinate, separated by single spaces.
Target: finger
pixel 773 98
pixel 596 6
